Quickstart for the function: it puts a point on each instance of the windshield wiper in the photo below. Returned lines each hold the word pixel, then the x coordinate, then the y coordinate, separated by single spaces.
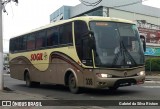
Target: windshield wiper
pixel 123 51
pixel 117 56
pixel 128 54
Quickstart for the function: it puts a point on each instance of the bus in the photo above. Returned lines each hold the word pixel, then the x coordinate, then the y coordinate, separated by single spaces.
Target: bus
pixel 82 52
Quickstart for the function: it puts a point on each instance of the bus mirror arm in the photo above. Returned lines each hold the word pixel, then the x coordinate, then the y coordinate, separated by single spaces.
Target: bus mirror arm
pixel 90 36
pixel 91 33
pixel 92 42
pixel 143 41
pixel 86 34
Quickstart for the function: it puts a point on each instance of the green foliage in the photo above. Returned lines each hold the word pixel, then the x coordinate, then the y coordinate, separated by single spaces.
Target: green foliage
pixel 152 64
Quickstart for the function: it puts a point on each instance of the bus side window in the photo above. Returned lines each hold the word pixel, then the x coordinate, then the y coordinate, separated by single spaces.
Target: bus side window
pixel 31 41
pixel 41 39
pixel 22 43
pixel 16 42
pixel 66 33
pixel 12 45
pixel 86 52
pixel 52 36
pixel 82 44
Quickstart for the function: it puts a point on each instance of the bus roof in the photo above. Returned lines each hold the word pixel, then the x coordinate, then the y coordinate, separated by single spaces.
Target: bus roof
pixel 100 18
pixel 84 18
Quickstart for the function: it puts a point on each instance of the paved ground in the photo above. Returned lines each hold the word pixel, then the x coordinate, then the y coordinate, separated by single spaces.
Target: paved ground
pixel 152 78
pixel 19 95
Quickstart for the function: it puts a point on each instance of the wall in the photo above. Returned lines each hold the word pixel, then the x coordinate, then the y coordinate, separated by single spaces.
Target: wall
pixel 60 14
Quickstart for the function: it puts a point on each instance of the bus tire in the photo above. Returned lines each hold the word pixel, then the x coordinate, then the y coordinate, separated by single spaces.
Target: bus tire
pixel 30 83
pixel 72 84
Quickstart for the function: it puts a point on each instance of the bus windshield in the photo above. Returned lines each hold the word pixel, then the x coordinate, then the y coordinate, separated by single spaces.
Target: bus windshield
pixel 117 45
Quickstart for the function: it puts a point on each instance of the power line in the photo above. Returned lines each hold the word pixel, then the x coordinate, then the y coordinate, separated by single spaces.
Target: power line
pixel 89 3
pixel 129 4
pixel 99 1
pixel 5 2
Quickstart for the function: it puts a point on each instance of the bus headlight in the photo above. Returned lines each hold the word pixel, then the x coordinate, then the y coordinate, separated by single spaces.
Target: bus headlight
pixel 102 75
pixel 141 73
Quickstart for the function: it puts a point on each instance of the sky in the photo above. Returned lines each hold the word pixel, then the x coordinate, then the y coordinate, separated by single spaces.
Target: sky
pixel 28 15
pixel 152 3
pixel 31 14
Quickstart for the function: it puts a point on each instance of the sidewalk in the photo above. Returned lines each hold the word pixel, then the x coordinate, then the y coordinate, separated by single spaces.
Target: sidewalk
pixel 8 94
pixel 153 76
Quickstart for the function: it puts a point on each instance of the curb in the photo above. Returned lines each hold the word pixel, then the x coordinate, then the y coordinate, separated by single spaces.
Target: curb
pixel 151 81
pixel 6 74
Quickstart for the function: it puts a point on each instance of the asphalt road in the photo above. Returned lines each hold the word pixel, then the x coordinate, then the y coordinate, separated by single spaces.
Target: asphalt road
pixel 148 91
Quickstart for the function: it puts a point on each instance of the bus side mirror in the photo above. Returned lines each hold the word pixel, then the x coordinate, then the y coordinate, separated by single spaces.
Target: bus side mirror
pixel 90 37
pixel 143 40
pixel 91 33
pixel 91 40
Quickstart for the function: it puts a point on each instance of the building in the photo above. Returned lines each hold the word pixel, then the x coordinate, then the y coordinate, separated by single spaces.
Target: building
pixel 60 14
pixel 5 58
pixel 146 17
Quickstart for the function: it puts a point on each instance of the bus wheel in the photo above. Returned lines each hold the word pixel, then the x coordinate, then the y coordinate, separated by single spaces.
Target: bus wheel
pixel 72 84
pixel 30 83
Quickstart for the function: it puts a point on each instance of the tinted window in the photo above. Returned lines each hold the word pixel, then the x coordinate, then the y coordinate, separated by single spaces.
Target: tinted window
pixel 41 39
pixel 12 45
pixel 31 42
pixel 66 33
pixel 117 44
pixel 22 43
pixel 80 28
pixel 16 43
pixel 83 50
pixel 86 53
pixel 52 36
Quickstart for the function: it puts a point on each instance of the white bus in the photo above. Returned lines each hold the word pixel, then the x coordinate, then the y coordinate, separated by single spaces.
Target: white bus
pixel 92 52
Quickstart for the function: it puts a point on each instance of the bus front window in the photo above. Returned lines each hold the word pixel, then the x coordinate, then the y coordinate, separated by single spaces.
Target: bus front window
pixel 117 45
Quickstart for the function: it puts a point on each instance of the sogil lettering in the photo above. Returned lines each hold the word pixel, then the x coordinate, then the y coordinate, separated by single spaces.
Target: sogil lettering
pixel 37 57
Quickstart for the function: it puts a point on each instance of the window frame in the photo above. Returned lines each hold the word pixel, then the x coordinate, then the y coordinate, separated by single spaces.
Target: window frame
pixel 49 29
pixel 45 39
pixel 34 36
pixel 72 35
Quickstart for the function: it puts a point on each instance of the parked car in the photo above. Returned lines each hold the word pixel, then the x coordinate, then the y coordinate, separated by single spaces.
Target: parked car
pixel 6 69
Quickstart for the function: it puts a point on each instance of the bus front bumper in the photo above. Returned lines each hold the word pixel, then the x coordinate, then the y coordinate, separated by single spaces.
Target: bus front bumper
pixel 119 82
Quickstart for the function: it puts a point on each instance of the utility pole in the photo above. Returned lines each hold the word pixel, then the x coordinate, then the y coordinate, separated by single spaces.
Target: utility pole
pixel 1 48
pixel 2 2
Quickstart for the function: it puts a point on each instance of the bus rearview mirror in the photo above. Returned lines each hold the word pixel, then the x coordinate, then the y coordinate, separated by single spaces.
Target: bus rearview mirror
pixel 92 41
pixel 143 39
